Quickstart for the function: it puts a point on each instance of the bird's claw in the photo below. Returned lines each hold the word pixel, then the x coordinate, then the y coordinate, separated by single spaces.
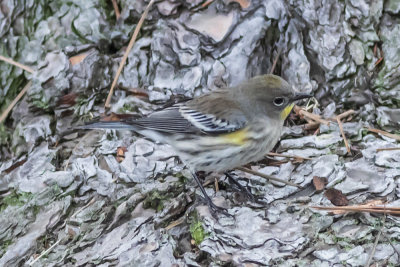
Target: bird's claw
pixel 214 209
pixel 242 189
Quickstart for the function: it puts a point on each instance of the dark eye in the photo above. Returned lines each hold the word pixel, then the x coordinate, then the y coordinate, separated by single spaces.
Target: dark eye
pixel 278 101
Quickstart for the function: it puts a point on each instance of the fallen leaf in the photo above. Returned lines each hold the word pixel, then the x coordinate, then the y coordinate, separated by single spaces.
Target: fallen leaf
pixel 319 183
pixel 336 197
pixel 77 58
pixel 121 153
pixel 14 166
pixel 242 3
pixel 117 117
pixel 67 100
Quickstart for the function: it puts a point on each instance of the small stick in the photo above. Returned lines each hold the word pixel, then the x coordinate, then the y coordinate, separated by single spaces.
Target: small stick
pixel 84 207
pixel 343 135
pixel 243 169
pixel 14 102
pixel 19 65
pixel 272 154
pixel 216 184
pixel 311 126
pixel 275 61
pixel 378 61
pixel 393 136
pixel 116 9
pixel 387 149
pixel 175 223
pixel 376 243
pixel 130 45
pixel 45 252
pixel 344 114
pixel 312 116
pixel 206 3
pixel 373 209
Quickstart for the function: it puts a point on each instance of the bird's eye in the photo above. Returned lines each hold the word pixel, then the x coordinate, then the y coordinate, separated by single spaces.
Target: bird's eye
pixel 278 101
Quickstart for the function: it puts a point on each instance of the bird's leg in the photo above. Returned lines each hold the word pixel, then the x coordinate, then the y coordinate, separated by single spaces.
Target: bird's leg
pixel 242 188
pixel 213 208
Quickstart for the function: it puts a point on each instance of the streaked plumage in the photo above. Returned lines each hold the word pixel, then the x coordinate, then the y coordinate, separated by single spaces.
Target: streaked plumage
pixel 223 129
pixel 220 130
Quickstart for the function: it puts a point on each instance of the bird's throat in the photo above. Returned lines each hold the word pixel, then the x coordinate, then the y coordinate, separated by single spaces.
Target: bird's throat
pixel 286 111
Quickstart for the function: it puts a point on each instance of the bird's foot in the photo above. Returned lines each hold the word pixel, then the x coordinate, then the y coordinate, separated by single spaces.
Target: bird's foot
pixel 243 189
pixel 214 209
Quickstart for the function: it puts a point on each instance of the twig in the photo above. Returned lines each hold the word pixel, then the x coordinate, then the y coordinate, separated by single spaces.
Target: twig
pixel 243 169
pixel 393 136
pixel 378 61
pixel 84 207
pixel 311 126
pixel 130 45
pixel 376 243
pixel 343 135
pixel 116 9
pixel 362 208
pixel 216 184
pixel 45 252
pixel 206 3
pixel 175 223
pixel 387 149
pixel 19 65
pixel 312 116
pixel 272 154
pixel 275 61
pixel 344 114
pixel 14 102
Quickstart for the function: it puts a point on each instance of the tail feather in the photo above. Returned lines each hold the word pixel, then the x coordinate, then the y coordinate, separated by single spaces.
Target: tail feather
pixel 107 125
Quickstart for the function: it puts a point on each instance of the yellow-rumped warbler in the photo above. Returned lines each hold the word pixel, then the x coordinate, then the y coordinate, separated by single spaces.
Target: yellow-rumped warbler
pixel 220 130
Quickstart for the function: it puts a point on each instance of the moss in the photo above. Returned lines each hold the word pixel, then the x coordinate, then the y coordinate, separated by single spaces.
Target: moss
pixel 197 232
pixel 4 135
pixel 15 199
pixel 4 246
pixel 126 108
pixel 154 201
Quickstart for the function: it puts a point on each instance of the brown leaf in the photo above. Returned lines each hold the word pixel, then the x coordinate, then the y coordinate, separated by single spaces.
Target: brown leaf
pixel 77 58
pixel 121 153
pixel 67 100
pixel 336 197
pixel 319 183
pixel 139 92
pixel 117 117
pixel 14 166
pixel 243 3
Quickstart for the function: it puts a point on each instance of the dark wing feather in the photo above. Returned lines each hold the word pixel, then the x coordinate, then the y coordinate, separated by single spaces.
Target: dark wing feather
pixel 195 116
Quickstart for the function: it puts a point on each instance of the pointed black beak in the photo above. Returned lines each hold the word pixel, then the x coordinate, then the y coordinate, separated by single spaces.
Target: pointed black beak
pixel 299 96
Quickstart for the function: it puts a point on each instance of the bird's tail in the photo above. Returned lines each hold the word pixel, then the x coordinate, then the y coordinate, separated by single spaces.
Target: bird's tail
pixel 107 125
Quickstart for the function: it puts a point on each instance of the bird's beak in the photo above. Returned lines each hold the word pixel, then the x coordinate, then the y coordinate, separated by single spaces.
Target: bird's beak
pixel 299 96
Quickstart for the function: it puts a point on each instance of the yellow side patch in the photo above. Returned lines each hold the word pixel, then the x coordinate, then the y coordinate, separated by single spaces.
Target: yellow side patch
pixel 286 111
pixel 235 138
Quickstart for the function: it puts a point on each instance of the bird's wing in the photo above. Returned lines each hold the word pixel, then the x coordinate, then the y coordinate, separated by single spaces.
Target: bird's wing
pixel 195 116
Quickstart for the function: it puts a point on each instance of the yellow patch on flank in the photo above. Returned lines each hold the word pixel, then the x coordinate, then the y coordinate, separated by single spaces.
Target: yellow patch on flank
pixel 235 138
pixel 286 111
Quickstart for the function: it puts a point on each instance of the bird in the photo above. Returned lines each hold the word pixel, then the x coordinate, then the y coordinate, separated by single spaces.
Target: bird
pixel 220 130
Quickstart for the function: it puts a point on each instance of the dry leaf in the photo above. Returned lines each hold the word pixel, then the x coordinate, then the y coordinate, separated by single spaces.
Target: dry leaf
pixel 319 183
pixel 336 197
pixel 117 117
pixel 243 3
pixel 77 59
pixel 14 166
pixel 121 153
pixel 67 100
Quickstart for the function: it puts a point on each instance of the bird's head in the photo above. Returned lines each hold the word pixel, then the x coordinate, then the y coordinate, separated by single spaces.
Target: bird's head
pixel 268 95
